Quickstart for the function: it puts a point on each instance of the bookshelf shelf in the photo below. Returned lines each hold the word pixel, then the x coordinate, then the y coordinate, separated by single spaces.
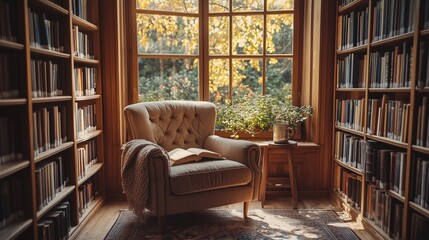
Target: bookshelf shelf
pixel 58 198
pixel 422 90
pixel 85 61
pixel 90 172
pixel 376 230
pixel 52 7
pixel 348 130
pixel 346 204
pixel 12 102
pixel 396 196
pixel 350 89
pixel 12 167
pixel 52 152
pixel 352 6
pixel 15 229
pixel 388 141
pixel 353 169
pixel 48 53
pixel 358 49
pixel 88 98
pixel 389 90
pixel 84 24
pixel 420 149
pixel 424 32
pixel 393 40
pixel 88 136
pixel 419 209
pixel 52 99
pixel 92 206
pixel 11 45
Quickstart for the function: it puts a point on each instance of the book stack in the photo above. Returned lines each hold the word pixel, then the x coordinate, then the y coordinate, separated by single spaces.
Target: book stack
pixel 82 44
pixel 388 118
pixel 87 192
pixel 353 29
pixel 46 78
pixel 49 128
pixel 56 224
pixel 419 227
pixel 392 17
pixel 80 8
pixel 350 150
pixel 384 211
pixel 421 186
pixel 425 14
pixel 44 32
pixel 8 20
pixel 391 68
pixel 350 113
pixel 87 156
pixel 51 178
pixel 349 186
pixel 8 68
pixel 85 120
pixel 351 71
pixel 423 123
pixel 11 208
pixel 84 80
pixel 9 147
pixel 423 73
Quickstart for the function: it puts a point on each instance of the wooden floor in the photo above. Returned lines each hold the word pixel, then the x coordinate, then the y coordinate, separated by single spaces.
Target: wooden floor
pixel 102 220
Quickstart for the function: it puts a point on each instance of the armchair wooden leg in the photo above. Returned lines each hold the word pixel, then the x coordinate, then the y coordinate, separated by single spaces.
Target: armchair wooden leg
pixel 245 209
pixel 162 223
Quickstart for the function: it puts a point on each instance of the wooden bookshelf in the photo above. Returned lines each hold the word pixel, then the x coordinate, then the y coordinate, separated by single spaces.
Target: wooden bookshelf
pixel 391 41
pixel 60 142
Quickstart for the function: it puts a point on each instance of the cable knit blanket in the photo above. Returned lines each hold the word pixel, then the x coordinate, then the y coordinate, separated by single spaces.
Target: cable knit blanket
pixel 134 171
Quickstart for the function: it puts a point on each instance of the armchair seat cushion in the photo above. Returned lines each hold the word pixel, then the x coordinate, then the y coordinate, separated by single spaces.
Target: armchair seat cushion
pixel 208 175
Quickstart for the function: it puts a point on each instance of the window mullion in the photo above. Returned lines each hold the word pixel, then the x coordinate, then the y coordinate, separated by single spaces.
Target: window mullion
pixel 264 47
pixel 230 52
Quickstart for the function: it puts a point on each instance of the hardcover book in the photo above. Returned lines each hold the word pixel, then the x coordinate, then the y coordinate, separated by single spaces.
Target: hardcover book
pixel 180 156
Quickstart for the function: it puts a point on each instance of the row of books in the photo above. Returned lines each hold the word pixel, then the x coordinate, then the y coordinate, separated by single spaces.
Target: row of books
pixel 419 227
pixel 421 185
pixel 423 72
pixel 56 224
pixel 350 150
pixel 85 79
pixel 82 44
pixel 8 20
pixel 388 118
pixel 47 78
pixel 349 186
pixel 11 208
pixel 44 32
pixel 385 168
pixel 51 178
pixel 9 147
pixel 384 211
pixel 87 192
pixel 8 69
pixel 351 71
pixel 353 29
pixel 350 113
pixel 86 157
pixel 49 128
pixel 391 68
pixel 80 8
pixel 422 133
pixel 85 119
pixel 392 17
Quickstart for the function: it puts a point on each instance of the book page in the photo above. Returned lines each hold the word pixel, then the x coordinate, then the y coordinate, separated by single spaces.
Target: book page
pixel 204 153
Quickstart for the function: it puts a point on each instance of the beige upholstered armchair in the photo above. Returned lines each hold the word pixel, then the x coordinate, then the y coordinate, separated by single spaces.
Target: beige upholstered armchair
pixel 196 185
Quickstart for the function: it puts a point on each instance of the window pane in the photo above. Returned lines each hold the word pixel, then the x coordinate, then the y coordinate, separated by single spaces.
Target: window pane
pixel 280 4
pixel 247 34
pixel 279 34
pixel 246 77
pixel 160 34
pixel 216 6
pixel 219 35
pixel 189 6
pixel 218 80
pixel 163 79
pixel 279 77
pixel 247 5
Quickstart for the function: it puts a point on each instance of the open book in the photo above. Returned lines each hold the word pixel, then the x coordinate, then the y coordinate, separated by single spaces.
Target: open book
pixel 180 156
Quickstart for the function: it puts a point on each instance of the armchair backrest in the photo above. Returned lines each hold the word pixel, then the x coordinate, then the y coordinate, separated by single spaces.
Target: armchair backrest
pixel 171 124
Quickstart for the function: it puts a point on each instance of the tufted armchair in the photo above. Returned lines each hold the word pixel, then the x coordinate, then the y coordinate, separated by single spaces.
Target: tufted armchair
pixel 197 185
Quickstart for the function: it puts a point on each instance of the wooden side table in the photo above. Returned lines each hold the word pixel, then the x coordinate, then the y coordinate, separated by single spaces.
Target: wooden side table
pixel 286 149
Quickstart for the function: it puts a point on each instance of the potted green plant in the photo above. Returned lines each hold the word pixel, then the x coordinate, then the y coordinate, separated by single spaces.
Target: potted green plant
pixel 253 114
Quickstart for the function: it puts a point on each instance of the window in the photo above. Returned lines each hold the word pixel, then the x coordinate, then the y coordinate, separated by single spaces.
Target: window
pixel 214 49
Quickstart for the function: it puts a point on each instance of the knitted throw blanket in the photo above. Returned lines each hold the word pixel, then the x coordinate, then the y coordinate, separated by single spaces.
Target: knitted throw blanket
pixel 134 171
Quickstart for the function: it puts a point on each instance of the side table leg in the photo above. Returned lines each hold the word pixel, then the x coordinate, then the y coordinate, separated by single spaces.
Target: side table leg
pixel 264 176
pixel 292 180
